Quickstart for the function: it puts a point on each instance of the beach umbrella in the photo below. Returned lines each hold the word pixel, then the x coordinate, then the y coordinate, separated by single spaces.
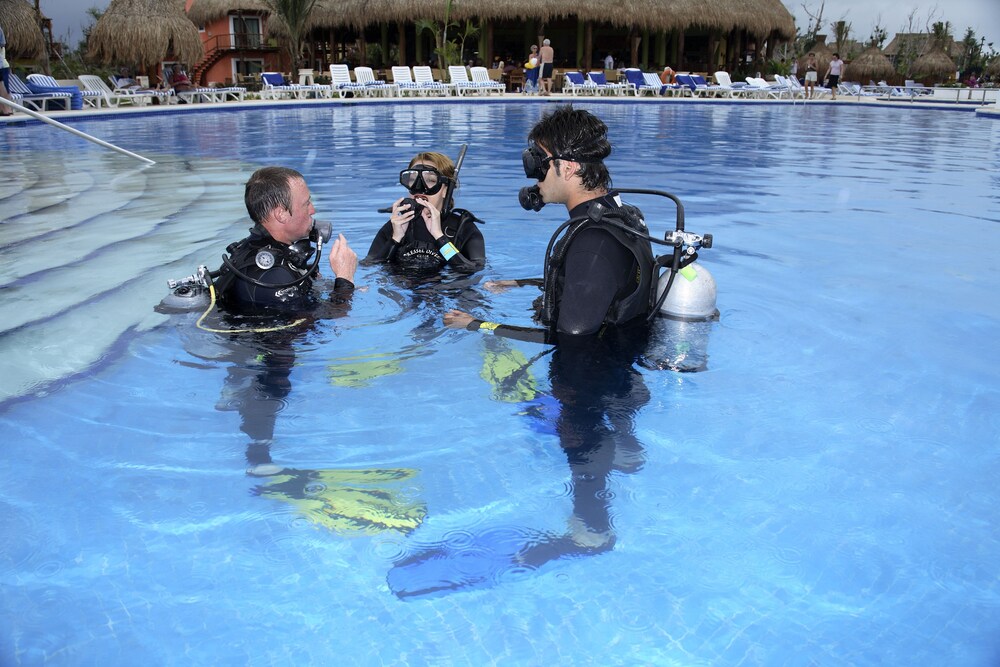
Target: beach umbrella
pixel 144 32
pixel 20 26
pixel 871 65
pixel 934 64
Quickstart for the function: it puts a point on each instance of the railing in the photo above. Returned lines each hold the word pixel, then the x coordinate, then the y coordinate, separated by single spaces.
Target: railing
pixel 935 94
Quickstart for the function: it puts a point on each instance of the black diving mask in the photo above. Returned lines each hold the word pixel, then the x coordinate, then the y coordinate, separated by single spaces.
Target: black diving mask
pixel 421 180
pixel 536 162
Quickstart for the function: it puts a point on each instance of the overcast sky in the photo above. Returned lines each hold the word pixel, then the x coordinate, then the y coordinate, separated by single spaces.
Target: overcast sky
pixel 69 16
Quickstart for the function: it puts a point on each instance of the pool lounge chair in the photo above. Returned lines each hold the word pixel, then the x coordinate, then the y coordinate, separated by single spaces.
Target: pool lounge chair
pixel 481 76
pixel 762 89
pixel 734 88
pixel 694 89
pixel 424 78
pixel 709 89
pixel 403 79
pixel 22 94
pixel 460 80
pixel 670 89
pixel 638 84
pixel 123 84
pixel 115 98
pixel 574 84
pixel 273 87
pixel 341 84
pixel 600 80
pixel 43 83
pixel 375 87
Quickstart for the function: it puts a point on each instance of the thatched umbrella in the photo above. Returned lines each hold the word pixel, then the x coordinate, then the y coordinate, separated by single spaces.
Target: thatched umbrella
pixel 993 68
pixel 871 65
pixel 935 63
pixel 20 27
pixel 144 32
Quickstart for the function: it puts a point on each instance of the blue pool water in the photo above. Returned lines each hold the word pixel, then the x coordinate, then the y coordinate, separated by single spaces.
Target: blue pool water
pixel 823 493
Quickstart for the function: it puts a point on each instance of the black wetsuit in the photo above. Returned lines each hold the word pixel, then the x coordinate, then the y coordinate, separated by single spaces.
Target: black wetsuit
pixel 602 277
pixel 420 252
pixel 282 271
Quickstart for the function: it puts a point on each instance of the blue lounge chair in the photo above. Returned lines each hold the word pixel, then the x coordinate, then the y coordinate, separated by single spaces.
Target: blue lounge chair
pixel 638 85
pixel 574 84
pixel 273 86
pixel 43 83
pixel 40 101
pixel 600 80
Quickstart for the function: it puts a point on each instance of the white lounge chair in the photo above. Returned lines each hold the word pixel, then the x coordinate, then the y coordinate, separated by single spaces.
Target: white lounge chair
pixel 341 84
pixel 734 88
pixel 404 82
pixel 424 78
pixel 460 81
pixel 124 84
pixel 366 76
pixel 115 98
pixel 481 76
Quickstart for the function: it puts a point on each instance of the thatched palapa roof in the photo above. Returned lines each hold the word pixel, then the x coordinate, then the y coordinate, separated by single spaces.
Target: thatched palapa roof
pixel 759 17
pixel 206 11
pixel 823 56
pixel 144 32
pixel 934 63
pixel 20 27
pixel 870 65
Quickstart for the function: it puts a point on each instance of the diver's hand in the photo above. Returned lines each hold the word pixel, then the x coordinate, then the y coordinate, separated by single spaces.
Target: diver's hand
pixel 456 319
pixel 432 218
pixel 499 286
pixel 402 216
pixel 343 260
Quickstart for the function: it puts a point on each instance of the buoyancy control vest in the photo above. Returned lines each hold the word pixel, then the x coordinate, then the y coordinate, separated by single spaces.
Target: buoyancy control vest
pixel 251 275
pixel 418 250
pixel 627 226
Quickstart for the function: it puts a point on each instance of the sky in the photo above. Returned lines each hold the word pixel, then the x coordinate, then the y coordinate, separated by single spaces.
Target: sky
pixel 983 16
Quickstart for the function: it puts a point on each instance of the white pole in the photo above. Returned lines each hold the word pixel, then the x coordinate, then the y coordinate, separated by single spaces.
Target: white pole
pixel 82 135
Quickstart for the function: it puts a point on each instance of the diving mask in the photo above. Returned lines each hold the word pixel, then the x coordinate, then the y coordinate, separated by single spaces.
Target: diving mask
pixel 422 180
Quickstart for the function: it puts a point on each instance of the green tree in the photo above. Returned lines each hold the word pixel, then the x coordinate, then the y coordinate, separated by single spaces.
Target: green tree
pixel 295 15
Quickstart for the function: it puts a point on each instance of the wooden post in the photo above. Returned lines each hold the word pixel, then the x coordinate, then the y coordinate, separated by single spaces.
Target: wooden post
pixel 588 44
pixel 402 42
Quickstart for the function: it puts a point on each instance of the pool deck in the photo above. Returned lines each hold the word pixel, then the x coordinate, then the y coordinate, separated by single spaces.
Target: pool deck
pixel 988 110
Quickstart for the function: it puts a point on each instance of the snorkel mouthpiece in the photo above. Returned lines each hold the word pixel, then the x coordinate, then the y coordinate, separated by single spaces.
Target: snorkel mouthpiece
pixel 531 198
pixel 323 230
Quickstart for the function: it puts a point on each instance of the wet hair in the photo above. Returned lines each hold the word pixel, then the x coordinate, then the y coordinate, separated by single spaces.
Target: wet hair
pixel 439 161
pixel 579 136
pixel 269 188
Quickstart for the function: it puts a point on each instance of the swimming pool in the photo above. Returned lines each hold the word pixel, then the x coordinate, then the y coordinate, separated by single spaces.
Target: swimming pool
pixel 824 493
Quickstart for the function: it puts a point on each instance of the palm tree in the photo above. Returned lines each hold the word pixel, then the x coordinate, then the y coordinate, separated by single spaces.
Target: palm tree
pixel 295 16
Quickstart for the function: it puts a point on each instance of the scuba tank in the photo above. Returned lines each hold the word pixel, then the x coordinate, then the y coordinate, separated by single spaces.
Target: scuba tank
pixel 683 289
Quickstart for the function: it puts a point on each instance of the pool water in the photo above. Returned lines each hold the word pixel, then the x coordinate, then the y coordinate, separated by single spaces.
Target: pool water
pixel 822 492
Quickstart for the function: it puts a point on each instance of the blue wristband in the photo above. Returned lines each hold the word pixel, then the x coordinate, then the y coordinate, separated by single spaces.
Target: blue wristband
pixel 448 250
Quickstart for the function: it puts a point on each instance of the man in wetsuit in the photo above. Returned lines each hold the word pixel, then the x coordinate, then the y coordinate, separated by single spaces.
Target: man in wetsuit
pixel 601 273
pixel 272 270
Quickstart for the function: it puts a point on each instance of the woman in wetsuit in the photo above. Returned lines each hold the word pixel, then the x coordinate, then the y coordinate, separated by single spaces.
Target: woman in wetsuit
pixel 424 232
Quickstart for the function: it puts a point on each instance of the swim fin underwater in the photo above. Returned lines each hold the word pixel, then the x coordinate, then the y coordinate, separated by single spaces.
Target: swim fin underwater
pixel 349 501
pixel 488 557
